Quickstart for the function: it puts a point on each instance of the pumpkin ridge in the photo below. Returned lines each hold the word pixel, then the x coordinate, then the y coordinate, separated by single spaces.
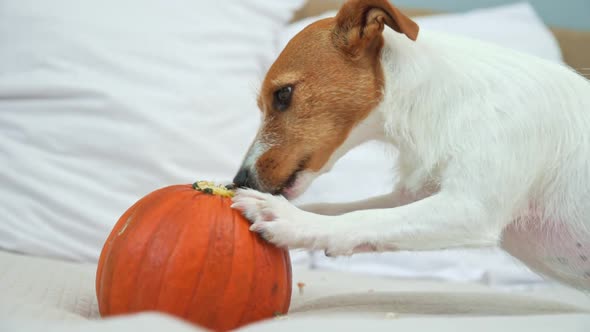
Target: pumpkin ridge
pixel 272 270
pixel 192 247
pixel 253 285
pixel 220 302
pixel 212 233
pixel 105 254
pixel 222 227
pixel 288 269
pixel 238 224
pixel 184 228
pixel 115 258
pixel 149 244
pixel 108 249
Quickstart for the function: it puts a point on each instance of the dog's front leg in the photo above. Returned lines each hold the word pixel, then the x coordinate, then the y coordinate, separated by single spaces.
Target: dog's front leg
pixel 396 198
pixel 443 220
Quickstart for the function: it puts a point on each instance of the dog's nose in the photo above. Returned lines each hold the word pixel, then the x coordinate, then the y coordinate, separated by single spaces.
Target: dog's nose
pixel 244 179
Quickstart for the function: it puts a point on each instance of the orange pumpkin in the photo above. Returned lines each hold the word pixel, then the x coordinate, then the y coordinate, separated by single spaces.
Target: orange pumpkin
pixel 187 253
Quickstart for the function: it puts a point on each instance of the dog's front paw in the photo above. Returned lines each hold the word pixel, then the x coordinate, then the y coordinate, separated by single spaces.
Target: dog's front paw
pixel 275 218
pixel 258 207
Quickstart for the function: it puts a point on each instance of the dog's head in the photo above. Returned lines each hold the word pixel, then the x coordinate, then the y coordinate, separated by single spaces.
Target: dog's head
pixel 325 82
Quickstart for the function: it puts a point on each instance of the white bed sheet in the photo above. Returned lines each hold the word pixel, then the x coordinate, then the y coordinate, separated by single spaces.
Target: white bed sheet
pixel 40 294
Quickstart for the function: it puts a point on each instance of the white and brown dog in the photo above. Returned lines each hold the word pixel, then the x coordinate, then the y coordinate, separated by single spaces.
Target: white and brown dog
pixel 494 145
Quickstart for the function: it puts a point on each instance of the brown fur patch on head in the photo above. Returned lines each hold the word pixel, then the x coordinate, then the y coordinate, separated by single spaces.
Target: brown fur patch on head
pixel 334 68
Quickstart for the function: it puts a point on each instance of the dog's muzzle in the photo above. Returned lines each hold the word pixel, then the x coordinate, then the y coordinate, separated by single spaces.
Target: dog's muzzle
pixel 245 179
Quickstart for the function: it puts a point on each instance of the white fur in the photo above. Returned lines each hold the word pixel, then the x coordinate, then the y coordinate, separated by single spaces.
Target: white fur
pixel 488 138
pixel 257 149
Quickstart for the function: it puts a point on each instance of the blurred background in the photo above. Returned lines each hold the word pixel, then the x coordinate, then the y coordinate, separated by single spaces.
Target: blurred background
pixel 104 102
pixel 568 14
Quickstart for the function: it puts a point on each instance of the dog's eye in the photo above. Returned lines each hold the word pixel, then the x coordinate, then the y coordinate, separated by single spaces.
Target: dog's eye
pixel 282 98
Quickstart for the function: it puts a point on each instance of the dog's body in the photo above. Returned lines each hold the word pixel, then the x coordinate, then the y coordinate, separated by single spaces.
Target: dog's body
pixel 494 148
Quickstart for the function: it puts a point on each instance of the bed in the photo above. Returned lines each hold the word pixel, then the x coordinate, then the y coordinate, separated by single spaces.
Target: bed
pixel 40 294
pixel 57 294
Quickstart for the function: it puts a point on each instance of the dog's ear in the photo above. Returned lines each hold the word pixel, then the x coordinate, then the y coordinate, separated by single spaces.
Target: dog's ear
pixel 360 23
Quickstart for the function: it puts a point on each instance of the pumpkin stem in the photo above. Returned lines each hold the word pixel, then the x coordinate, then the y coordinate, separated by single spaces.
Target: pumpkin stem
pixel 211 188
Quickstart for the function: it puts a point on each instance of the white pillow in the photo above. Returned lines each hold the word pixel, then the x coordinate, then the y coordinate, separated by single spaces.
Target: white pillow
pixel 515 26
pixel 104 101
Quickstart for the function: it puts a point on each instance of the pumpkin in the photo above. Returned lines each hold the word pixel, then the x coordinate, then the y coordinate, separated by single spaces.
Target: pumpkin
pixel 182 250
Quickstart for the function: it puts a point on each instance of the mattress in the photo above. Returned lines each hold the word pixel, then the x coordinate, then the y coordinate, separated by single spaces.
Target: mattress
pixel 39 294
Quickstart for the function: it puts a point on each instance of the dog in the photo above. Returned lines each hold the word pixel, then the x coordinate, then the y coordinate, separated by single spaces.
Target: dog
pixel 494 145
